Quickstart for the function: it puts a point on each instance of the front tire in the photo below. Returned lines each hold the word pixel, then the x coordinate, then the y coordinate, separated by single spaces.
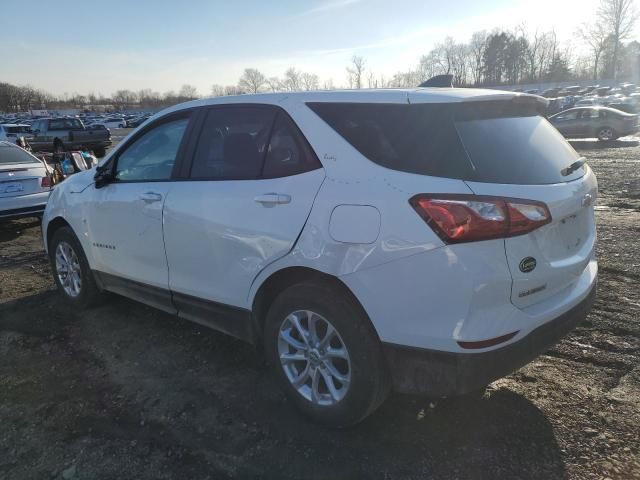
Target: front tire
pixel 71 271
pixel 325 354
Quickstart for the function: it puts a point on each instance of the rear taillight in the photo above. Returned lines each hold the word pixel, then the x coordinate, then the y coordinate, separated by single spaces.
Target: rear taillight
pixel 45 182
pixel 471 218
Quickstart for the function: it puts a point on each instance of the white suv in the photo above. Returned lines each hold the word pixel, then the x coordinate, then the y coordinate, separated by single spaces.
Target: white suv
pixel 426 240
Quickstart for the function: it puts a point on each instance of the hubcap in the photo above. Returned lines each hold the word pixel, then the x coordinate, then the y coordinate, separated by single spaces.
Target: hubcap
pixel 314 357
pixel 68 269
pixel 606 134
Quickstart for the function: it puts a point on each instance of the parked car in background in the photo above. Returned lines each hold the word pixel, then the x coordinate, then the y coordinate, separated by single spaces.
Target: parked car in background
pixel 602 123
pixel 589 101
pixel 11 132
pixel 111 123
pixel 62 133
pixel 136 122
pixel 25 183
pixel 427 240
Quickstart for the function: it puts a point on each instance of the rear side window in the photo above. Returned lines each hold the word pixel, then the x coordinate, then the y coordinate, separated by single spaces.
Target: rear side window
pixel 288 153
pixel 418 139
pixel 232 143
pixel 495 142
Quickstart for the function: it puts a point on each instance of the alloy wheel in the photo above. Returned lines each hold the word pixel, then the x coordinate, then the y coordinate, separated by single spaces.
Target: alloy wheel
pixel 68 269
pixel 314 358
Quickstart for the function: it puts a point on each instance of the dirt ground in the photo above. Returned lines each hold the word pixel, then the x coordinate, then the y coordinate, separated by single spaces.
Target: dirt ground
pixel 124 391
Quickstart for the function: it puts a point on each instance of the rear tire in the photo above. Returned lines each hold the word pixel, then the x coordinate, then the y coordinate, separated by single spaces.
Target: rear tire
pixel 71 271
pixel 99 152
pixel 606 134
pixel 346 375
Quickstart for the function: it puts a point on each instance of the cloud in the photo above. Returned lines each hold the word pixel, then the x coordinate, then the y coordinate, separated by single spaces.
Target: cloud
pixel 330 6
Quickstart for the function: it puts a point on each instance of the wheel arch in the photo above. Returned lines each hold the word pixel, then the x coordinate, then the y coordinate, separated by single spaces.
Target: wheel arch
pixel 281 279
pixel 53 226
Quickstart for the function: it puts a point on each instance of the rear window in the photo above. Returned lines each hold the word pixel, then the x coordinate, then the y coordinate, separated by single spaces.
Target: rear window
pixel 65 124
pixel 18 129
pixel 494 142
pixel 9 155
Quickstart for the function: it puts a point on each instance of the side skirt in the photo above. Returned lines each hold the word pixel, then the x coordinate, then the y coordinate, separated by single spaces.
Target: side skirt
pixel 235 321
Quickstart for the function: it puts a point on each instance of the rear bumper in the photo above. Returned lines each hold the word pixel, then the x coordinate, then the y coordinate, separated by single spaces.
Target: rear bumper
pixel 23 206
pixel 16 213
pixel 440 374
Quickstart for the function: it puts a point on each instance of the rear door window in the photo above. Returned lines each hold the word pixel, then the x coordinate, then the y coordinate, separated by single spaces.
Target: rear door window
pixel 233 143
pixel 288 152
pixel 496 142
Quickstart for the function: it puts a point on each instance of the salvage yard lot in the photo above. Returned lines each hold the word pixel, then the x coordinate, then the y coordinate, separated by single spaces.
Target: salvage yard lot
pixel 124 391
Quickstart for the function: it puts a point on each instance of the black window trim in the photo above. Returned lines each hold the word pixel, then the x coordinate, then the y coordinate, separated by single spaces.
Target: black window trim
pixel 185 113
pixel 198 126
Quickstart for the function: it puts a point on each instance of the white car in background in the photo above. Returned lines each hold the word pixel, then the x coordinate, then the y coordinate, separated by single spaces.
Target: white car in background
pixel 111 123
pixel 425 240
pixel 25 183
pixel 10 132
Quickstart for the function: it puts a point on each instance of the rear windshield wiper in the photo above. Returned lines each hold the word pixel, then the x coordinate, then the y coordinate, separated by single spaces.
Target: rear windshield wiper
pixel 573 167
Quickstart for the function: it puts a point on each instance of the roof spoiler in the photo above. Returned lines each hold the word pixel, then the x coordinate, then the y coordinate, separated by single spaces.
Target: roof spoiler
pixel 439 81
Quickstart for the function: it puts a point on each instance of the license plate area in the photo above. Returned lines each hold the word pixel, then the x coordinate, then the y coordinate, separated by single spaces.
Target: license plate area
pixel 11 188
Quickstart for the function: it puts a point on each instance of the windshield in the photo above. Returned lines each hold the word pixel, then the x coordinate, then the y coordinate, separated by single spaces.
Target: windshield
pixel 519 150
pixel 11 155
pixel 18 129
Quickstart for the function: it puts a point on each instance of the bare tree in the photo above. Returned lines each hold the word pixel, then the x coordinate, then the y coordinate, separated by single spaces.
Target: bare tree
pixel 292 79
pixel 477 46
pixel 233 90
pixel 355 71
pixel 252 80
pixel 596 37
pixel 309 81
pixel 217 90
pixel 188 92
pixel 274 84
pixel 618 18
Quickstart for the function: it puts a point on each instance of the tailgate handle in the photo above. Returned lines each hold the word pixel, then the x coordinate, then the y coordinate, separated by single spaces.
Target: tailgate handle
pixel 273 198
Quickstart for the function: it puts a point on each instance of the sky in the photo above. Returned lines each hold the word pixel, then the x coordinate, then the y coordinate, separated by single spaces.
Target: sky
pixel 86 46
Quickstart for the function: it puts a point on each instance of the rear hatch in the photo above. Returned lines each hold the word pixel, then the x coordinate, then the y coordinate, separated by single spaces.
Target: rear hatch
pixel 518 154
pixel 509 156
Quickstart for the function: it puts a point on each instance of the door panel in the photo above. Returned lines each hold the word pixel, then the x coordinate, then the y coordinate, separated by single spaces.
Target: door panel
pixel 125 231
pixel 124 217
pixel 220 234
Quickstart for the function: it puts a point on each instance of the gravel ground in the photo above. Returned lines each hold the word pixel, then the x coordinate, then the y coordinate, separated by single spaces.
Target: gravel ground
pixel 124 391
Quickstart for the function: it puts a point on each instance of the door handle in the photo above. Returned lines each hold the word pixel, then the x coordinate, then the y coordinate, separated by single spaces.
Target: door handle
pixel 149 197
pixel 273 198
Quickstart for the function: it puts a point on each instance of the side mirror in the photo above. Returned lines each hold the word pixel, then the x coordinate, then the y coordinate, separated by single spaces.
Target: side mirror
pixel 104 175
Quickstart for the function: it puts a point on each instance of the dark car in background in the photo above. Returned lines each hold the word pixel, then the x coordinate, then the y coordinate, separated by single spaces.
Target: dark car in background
pixel 602 123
